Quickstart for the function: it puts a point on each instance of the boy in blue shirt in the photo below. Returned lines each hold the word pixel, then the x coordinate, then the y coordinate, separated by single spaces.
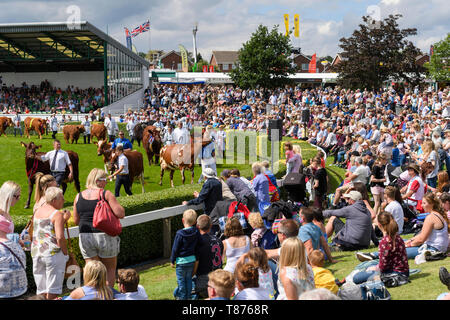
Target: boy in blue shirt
pixel 184 252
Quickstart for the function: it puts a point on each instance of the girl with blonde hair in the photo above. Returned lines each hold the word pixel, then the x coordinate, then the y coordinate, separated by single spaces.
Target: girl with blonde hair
pixel 296 275
pixel 95 286
pixel 42 183
pixel 430 155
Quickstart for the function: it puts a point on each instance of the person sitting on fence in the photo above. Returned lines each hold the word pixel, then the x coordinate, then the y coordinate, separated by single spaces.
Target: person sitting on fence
pixel 323 278
pixel 184 251
pixel 221 285
pixel 129 287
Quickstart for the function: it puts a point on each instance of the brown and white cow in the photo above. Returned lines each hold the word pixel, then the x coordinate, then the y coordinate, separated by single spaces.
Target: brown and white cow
pixel 5 122
pixel 152 149
pixel 72 132
pixel 98 130
pixel 33 165
pixel 181 157
pixel 135 165
pixel 34 124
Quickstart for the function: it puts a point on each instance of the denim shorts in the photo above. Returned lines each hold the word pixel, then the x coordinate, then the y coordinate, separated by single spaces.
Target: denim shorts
pixel 99 244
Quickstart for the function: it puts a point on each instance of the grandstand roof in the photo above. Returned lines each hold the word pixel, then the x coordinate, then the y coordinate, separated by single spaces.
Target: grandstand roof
pixel 55 46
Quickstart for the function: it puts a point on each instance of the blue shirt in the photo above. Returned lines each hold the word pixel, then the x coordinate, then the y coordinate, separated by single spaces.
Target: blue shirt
pixel 261 186
pixel 126 143
pixel 311 232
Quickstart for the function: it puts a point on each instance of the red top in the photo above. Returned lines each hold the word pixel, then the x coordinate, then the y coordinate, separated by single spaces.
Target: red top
pixel 393 259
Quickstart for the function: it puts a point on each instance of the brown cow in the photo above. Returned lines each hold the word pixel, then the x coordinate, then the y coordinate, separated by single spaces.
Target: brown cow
pixel 104 148
pixel 33 165
pixel 72 132
pixel 181 156
pixel 5 122
pixel 135 165
pixel 36 124
pixel 98 130
pixel 152 149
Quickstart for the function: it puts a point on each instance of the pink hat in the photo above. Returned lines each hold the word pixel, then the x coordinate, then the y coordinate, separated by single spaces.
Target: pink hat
pixel 5 225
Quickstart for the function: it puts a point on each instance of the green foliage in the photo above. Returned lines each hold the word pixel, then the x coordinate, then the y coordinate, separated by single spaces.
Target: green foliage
pixel 439 65
pixel 376 53
pixel 264 60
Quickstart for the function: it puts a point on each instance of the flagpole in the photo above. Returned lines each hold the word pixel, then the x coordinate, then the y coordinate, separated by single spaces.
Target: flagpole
pixel 149 38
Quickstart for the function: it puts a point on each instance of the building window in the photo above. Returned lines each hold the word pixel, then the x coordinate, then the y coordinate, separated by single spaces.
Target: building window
pixel 305 66
pixel 233 66
pixel 225 67
pixel 179 67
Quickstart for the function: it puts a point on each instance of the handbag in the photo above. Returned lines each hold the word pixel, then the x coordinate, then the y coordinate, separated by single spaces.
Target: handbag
pixel 72 266
pixel 273 191
pixel 104 218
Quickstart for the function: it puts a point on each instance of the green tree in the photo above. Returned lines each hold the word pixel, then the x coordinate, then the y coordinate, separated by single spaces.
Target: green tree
pixel 376 53
pixel 439 65
pixel 264 60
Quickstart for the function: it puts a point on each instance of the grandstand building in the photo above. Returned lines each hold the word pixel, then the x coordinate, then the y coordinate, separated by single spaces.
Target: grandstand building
pixel 78 55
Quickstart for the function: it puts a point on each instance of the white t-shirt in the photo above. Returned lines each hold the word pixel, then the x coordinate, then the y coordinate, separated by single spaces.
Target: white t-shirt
pixel 361 172
pixel 123 161
pixel 137 295
pixel 253 294
pixel 396 210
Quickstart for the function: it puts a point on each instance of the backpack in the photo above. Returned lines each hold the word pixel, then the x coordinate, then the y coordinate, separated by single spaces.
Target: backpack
pixel 237 210
pixel 104 218
pixel 374 290
pixel 268 240
pixel 393 279
pixel 273 191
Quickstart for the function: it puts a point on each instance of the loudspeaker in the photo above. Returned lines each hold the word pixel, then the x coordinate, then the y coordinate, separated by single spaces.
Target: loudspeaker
pixel 274 127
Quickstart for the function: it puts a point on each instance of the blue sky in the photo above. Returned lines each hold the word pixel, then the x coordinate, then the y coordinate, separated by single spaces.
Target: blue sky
pixel 226 24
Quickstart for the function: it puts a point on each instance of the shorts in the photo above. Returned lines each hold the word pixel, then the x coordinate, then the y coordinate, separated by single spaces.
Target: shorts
pixel 376 190
pixel 99 244
pixel 49 273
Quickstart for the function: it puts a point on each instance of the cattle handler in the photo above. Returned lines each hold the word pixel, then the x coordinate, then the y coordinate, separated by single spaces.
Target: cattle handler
pixel 122 173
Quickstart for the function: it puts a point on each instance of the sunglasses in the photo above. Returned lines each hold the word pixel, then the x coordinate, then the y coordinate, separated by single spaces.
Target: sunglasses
pixel 102 179
pixel 17 196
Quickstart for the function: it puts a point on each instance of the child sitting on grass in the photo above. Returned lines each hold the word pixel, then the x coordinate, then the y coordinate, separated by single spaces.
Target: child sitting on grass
pixel 129 287
pixel 323 278
pixel 184 251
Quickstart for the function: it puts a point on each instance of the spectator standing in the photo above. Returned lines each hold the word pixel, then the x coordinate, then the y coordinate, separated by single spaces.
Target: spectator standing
pixel 49 246
pixel 210 251
pixel 260 184
pixel 95 244
pixel 320 182
pixel 377 180
pixel 184 254
pixel 240 189
pixel 13 278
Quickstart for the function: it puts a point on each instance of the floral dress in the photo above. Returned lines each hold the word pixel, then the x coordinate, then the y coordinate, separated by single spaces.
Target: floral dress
pixel 44 238
pixel 300 284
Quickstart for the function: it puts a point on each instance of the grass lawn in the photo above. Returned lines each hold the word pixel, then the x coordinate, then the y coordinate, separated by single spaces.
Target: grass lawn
pixel 160 281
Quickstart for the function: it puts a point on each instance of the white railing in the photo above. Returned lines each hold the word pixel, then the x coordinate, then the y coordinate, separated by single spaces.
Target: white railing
pixel 166 214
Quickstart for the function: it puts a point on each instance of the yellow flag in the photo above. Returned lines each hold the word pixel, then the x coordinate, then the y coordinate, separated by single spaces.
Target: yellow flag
pixel 296 25
pixel 286 23
pixel 184 59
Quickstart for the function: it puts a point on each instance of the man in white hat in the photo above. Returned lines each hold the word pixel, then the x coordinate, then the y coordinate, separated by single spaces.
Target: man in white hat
pixel 207 155
pixel 355 233
pixel 209 195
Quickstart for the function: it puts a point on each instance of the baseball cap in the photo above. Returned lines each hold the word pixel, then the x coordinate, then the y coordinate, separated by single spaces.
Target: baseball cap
pixel 354 195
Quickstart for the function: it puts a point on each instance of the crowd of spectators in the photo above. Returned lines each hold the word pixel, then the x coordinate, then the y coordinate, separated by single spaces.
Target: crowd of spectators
pixel 45 98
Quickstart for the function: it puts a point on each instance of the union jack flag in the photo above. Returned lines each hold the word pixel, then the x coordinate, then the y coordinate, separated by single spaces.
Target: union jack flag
pixel 140 29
